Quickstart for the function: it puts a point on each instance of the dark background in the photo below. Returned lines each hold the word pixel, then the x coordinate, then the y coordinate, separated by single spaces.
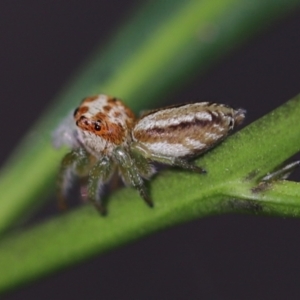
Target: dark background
pixel 225 257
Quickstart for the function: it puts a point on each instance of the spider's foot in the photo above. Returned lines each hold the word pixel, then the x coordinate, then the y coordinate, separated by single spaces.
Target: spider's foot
pixel 101 209
pixel 146 198
pixel 198 169
pixel 188 165
pixel 192 167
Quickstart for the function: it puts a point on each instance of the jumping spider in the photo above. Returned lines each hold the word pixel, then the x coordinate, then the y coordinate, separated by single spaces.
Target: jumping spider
pixel 105 137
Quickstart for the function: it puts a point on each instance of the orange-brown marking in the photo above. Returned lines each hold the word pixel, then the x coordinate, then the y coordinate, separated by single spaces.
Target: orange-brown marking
pixel 80 111
pixel 117 114
pixel 111 132
pixel 100 116
pixel 107 108
pixel 83 109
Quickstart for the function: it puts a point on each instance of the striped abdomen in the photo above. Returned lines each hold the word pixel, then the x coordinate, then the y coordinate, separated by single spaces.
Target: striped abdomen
pixel 185 130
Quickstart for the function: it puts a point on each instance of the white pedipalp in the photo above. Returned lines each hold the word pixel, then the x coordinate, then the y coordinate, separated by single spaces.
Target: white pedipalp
pixel 66 133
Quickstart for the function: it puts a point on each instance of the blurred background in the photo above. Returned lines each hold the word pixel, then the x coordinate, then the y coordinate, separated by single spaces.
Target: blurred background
pixel 222 257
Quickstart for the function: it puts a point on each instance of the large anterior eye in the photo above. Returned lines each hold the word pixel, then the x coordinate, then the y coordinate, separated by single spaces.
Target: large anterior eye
pixel 97 125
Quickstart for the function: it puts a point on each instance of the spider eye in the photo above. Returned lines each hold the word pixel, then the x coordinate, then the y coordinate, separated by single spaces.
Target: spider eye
pixel 75 111
pixel 97 125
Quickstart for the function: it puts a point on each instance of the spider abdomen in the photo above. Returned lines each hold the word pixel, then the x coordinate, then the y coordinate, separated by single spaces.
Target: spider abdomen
pixel 185 130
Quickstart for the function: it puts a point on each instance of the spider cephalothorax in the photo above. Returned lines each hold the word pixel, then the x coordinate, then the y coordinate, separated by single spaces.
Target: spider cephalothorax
pixel 106 137
pixel 103 123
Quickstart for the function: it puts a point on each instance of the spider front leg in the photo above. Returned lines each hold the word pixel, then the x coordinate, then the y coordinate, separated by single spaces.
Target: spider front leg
pixel 132 171
pixel 100 173
pixel 74 163
pixel 167 160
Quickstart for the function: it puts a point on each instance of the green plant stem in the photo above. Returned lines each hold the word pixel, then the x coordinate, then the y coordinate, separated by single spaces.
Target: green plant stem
pixel 231 185
pixel 155 53
pixel 280 198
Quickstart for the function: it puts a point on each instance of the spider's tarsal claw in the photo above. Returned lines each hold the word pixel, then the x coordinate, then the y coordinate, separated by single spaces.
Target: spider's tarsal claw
pixel 191 167
pixel 149 202
pixel 101 209
pixel 147 198
pixel 199 170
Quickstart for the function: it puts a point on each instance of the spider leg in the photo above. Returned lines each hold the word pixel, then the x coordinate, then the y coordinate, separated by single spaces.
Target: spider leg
pixel 130 170
pixel 167 160
pixel 98 175
pixel 74 163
